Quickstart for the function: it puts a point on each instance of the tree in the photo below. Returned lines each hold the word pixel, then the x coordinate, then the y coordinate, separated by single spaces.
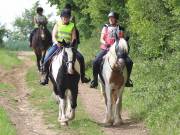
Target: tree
pixel 3 33
pixel 153 24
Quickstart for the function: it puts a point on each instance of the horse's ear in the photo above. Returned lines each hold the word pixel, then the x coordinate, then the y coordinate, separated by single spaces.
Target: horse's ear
pixel 64 42
pixel 73 43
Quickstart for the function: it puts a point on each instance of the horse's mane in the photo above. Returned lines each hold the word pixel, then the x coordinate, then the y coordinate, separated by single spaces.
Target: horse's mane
pixel 122 43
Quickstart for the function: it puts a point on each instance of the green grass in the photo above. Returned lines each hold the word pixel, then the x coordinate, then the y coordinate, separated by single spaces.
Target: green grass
pixel 5 89
pixel 41 98
pixel 6 127
pixel 8 59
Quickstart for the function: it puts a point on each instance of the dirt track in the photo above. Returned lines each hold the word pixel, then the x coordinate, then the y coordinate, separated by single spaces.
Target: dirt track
pixel 28 121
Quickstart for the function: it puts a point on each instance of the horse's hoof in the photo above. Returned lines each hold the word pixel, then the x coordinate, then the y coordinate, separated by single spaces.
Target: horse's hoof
pixel 64 123
pixel 71 116
pixel 63 120
pixel 117 123
pixel 108 124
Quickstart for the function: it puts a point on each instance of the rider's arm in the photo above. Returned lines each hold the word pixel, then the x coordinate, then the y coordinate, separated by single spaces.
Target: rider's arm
pixel 34 20
pixel 45 22
pixel 103 36
pixel 73 36
pixel 121 32
pixel 54 34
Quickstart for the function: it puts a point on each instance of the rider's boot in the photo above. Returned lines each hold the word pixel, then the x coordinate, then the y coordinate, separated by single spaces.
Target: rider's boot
pixel 84 79
pixel 80 58
pixel 129 65
pixel 129 83
pixel 94 82
pixel 45 75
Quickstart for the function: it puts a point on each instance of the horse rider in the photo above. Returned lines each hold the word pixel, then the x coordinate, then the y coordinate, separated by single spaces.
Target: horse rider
pixel 107 39
pixel 63 30
pixel 39 19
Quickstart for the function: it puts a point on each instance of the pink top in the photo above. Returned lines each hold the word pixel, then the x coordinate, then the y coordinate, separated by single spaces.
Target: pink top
pixel 109 36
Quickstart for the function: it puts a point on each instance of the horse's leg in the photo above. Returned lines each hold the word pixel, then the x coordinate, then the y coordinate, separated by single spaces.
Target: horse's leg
pixel 38 58
pixel 74 93
pixel 68 103
pixel 118 107
pixel 62 118
pixel 42 59
pixel 102 87
pixel 108 116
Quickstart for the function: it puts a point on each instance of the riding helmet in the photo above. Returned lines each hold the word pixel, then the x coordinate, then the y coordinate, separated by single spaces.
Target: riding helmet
pixel 66 13
pixel 39 10
pixel 113 14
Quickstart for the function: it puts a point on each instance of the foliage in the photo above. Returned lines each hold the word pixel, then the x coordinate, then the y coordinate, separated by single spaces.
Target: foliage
pixel 3 32
pixel 155 25
pixel 156 94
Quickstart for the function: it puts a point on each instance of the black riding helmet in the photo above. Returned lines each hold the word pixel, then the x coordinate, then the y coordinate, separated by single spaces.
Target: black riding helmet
pixel 113 14
pixel 66 13
pixel 39 10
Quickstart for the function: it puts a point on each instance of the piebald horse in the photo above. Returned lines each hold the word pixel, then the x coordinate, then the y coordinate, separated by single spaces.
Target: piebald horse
pixel 65 76
pixel 41 41
pixel 112 81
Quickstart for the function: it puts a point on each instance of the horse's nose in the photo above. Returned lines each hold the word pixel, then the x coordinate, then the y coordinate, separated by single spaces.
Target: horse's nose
pixel 42 36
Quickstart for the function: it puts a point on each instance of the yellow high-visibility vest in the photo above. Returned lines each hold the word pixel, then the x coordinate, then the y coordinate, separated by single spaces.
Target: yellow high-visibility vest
pixel 64 31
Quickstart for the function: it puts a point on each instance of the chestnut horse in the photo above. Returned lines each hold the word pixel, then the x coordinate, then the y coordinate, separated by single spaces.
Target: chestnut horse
pixel 41 41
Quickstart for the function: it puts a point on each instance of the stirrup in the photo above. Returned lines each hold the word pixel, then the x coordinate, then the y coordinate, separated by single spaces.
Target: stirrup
pixel 129 83
pixel 85 80
pixel 93 84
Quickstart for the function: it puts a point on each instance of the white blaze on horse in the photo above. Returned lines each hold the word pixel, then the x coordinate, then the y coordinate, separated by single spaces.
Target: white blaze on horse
pixel 112 81
pixel 65 76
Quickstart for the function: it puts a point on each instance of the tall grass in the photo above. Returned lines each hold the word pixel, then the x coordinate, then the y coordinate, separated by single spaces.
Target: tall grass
pixel 17 45
pixel 155 97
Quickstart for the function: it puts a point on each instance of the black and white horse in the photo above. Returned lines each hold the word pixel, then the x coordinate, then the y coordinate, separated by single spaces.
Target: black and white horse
pixel 65 76
pixel 112 81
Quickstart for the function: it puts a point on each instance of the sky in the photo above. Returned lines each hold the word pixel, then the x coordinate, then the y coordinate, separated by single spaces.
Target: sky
pixel 10 9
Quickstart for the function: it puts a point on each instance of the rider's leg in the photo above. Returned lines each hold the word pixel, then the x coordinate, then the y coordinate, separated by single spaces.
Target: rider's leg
pixel 30 37
pixel 96 68
pixel 82 67
pixel 45 68
pixel 129 65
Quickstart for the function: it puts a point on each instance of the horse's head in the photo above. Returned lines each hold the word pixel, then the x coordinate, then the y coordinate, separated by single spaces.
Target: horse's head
pixel 119 51
pixel 70 51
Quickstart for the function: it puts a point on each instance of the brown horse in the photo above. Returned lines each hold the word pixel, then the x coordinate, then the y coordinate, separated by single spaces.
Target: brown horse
pixel 41 41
